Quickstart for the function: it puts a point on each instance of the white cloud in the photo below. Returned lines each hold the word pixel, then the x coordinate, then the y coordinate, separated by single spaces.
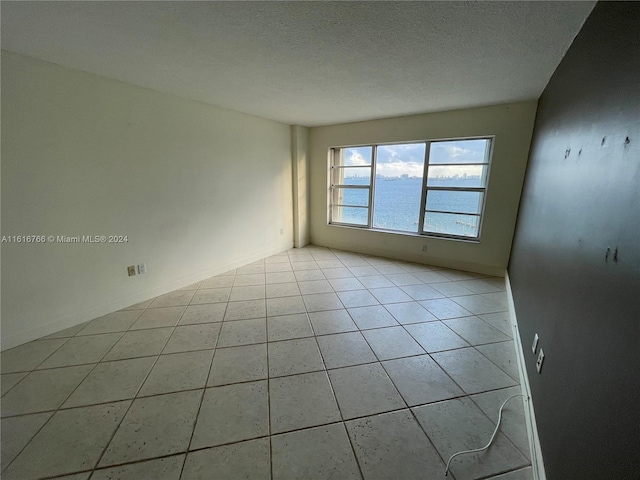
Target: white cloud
pixel 458 151
pixel 356 158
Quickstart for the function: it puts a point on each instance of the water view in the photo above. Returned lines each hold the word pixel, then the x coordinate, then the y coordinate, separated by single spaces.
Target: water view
pixel 458 164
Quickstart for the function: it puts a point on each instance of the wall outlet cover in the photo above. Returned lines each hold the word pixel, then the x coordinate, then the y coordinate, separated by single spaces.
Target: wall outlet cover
pixel 131 270
pixel 534 345
pixel 540 361
pixel 142 268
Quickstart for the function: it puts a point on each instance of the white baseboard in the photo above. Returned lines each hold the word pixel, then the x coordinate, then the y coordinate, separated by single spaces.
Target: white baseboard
pixel 537 464
pixel 10 341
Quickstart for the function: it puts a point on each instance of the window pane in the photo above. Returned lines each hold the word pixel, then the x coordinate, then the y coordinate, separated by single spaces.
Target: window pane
pixel 399 170
pixel 353 215
pixel 351 196
pixel 457 176
pixel 459 151
pixel 451 224
pixel 452 201
pixel 352 176
pixel 356 156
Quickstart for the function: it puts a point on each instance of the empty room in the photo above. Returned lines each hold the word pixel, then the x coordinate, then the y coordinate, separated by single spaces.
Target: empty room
pixel 320 240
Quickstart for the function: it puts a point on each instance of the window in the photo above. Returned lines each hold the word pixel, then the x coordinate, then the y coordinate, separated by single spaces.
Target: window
pixel 435 188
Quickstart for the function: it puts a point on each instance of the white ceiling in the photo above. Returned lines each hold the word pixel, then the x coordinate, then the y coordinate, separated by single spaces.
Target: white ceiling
pixel 308 63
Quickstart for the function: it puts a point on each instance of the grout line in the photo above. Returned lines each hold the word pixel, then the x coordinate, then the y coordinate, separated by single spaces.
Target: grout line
pixel 270 433
pixel 291 258
pixel 204 391
pixel 115 431
pixel 5 467
pixel 501 432
pixel 444 461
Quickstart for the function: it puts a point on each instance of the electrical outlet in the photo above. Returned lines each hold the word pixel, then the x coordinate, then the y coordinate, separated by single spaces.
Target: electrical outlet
pixel 424 247
pixel 539 361
pixel 131 270
pixel 142 268
pixel 534 346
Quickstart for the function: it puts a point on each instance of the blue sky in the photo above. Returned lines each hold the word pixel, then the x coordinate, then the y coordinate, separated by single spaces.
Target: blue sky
pixel 396 160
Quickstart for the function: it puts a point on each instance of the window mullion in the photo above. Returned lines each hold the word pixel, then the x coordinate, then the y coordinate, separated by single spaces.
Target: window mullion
pixel 372 184
pixel 423 195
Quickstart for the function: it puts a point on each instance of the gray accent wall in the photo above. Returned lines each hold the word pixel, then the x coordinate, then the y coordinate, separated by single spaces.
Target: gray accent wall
pixel 581 198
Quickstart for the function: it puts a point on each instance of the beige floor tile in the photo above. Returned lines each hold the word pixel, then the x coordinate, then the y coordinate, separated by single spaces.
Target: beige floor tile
pixel 177 372
pixel 28 356
pixel 287 289
pixel 345 349
pixel 173 299
pixel 111 382
pixel 475 330
pixel 390 295
pixel 357 298
pixel 10 380
pixel 478 305
pixel 410 312
pixel 332 321
pixel 140 343
pixel 393 445
pixel 254 292
pixel 458 424
pixel 503 354
pixel 17 432
pixel 305 275
pixel 206 313
pixel 243 332
pixel 244 460
pixel 159 317
pixel 472 371
pixel 320 453
pixel 322 301
pixel 513 423
pixel 364 390
pixel 336 273
pixel 233 368
pixel 43 390
pixel 290 398
pixel 288 327
pixel 114 322
pixel 420 380
pixel 435 336
pixel 167 468
pixel 392 342
pixel 422 292
pixel 217 282
pixel 154 427
pixel 291 357
pixel 284 306
pixel 82 350
pixel 211 295
pixel 245 310
pixel 193 337
pixel 238 364
pixel 71 441
pixel 232 413
pixel 372 317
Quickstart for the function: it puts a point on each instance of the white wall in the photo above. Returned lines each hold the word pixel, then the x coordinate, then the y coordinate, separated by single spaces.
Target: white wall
pixel 198 190
pixel 300 162
pixel 512 126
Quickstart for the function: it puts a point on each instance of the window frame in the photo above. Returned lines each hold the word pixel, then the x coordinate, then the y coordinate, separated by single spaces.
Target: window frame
pixel 425 189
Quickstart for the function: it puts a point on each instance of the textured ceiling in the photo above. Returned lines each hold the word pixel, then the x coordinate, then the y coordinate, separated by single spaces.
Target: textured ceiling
pixel 308 63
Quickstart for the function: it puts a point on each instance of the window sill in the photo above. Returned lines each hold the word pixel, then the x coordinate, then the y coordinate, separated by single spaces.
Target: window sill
pixel 406 234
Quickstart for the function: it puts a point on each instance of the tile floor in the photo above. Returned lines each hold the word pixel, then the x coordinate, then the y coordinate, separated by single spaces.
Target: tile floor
pixel 310 364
